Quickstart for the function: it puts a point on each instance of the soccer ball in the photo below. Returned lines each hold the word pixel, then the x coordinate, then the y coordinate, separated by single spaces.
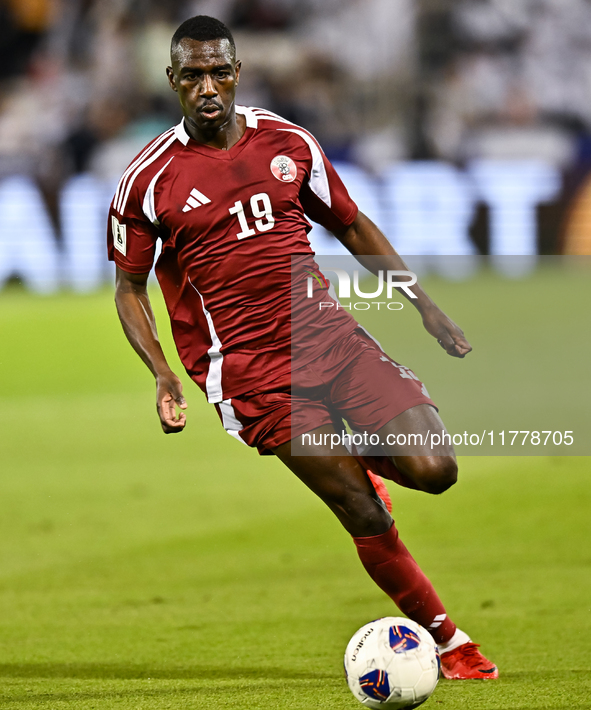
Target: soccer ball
pixel 392 663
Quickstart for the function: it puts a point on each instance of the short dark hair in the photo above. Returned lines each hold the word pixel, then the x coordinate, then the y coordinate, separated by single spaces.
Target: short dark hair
pixel 203 29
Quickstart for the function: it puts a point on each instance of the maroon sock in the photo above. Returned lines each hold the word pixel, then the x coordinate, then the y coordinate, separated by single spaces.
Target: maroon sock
pixel 393 569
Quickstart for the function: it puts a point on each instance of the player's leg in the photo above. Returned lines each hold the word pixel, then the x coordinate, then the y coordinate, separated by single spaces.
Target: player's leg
pixel 338 479
pixel 334 477
pixel 419 468
pixel 406 439
pixel 377 395
pixel 263 419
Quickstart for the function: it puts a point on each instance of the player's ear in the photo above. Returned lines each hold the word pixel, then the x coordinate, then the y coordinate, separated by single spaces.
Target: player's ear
pixel 171 81
pixel 237 68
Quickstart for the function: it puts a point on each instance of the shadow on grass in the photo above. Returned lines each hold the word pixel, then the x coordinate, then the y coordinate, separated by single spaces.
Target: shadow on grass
pixel 141 694
pixel 110 671
pixel 244 681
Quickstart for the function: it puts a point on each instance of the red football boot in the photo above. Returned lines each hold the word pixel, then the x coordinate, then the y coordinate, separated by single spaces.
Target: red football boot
pixel 381 489
pixel 466 661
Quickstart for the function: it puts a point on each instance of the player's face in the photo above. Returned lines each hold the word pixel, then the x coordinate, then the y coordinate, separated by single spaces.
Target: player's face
pixel 205 76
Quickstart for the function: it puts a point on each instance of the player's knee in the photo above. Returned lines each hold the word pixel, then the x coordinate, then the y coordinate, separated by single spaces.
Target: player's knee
pixel 361 513
pixel 435 474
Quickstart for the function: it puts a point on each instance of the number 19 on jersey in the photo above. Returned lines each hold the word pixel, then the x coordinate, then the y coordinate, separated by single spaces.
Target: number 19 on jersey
pixel 260 206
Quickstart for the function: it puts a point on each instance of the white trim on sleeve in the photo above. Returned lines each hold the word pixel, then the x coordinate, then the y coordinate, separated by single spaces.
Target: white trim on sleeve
pixel 142 166
pixel 142 156
pixel 149 206
pixel 318 179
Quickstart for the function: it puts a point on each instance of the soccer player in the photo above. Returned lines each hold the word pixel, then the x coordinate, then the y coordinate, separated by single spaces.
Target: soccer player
pixel 227 191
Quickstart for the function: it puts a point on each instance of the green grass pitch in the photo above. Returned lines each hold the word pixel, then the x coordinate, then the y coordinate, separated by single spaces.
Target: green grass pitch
pixel 140 571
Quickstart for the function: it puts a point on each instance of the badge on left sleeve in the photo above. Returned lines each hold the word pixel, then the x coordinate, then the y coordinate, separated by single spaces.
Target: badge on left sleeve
pixel 119 235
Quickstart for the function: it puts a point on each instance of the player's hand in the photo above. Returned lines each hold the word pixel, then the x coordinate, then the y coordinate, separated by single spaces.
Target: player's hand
pixel 169 395
pixel 449 335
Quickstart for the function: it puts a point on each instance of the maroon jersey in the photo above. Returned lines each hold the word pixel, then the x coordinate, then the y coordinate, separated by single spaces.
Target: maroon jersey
pixel 231 224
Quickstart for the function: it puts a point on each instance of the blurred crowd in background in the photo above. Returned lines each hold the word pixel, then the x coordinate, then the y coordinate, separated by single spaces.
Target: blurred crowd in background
pixel 83 86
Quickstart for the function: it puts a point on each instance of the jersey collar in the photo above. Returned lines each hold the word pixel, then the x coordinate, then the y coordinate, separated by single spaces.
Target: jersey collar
pixel 251 122
pixel 251 119
pixel 181 133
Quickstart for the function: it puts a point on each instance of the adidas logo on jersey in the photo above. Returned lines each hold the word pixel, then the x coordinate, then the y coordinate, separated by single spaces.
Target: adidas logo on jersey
pixel 195 199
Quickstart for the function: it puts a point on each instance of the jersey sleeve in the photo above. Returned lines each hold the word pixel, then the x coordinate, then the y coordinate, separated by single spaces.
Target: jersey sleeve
pixel 131 237
pixel 323 196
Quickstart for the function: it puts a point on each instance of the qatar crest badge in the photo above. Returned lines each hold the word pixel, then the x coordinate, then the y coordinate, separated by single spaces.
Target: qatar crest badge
pixel 283 168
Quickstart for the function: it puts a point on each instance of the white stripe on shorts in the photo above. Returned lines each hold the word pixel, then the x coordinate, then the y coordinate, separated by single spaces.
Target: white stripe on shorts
pixel 230 421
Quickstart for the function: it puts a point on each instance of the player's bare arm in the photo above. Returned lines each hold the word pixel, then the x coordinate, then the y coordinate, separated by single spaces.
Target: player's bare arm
pixel 137 318
pixel 363 238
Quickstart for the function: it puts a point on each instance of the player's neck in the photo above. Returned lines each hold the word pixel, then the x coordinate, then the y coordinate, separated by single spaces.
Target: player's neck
pixel 224 137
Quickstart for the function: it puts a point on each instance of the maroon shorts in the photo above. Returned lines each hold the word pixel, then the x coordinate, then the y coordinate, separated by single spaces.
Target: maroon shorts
pixel 354 380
